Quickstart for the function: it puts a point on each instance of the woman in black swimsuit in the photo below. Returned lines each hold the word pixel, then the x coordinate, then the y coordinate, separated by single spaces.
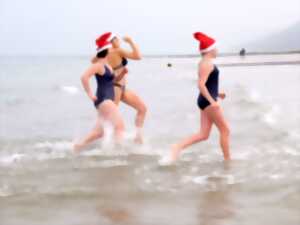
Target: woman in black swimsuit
pixel 104 98
pixel 117 58
pixel 210 110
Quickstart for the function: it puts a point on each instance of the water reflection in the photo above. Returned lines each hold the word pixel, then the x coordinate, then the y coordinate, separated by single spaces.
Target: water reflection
pixel 216 205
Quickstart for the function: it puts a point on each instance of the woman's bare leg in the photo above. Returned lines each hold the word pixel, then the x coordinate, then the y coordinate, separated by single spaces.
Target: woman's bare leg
pixel 133 100
pixel 203 134
pixel 118 95
pixel 107 110
pixel 95 134
pixel 216 115
pixel 110 112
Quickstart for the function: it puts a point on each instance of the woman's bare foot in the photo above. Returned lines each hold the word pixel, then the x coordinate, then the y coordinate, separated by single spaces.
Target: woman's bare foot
pixel 77 147
pixel 175 152
pixel 227 158
pixel 139 139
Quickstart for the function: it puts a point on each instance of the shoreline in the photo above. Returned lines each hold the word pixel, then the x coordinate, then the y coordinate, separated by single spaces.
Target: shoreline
pixel 259 64
pixel 223 54
pixel 149 56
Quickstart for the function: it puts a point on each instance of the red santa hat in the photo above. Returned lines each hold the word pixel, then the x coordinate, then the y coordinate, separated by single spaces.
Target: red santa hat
pixel 206 43
pixel 111 36
pixel 103 42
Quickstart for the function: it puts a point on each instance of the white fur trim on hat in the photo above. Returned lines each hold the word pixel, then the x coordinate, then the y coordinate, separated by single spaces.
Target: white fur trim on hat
pixel 213 46
pixel 104 48
pixel 111 37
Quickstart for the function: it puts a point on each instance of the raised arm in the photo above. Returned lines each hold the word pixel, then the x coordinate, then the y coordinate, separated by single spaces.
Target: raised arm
pixel 85 78
pixel 204 72
pixel 134 54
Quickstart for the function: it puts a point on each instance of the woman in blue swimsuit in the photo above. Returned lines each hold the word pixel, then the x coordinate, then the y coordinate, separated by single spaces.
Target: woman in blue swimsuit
pixel 117 58
pixel 104 98
pixel 210 110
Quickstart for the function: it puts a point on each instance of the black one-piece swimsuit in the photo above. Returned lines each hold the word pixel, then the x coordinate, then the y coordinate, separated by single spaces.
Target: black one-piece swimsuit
pixel 105 87
pixel 212 85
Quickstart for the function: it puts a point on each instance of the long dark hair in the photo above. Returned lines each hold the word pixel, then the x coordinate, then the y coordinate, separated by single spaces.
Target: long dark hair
pixel 102 54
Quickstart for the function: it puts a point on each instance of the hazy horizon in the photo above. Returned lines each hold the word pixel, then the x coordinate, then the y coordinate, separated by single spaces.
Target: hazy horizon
pixel 159 27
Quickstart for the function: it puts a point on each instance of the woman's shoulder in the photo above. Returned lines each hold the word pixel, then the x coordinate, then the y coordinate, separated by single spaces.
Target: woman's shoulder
pixel 206 64
pixel 98 68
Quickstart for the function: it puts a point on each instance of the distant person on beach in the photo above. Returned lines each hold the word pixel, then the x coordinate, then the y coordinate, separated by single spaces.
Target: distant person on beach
pixel 243 52
pixel 210 110
pixel 104 99
pixel 117 58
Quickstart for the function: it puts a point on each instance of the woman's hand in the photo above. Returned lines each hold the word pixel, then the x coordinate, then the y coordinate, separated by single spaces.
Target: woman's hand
pixel 222 95
pixel 121 75
pixel 127 39
pixel 93 97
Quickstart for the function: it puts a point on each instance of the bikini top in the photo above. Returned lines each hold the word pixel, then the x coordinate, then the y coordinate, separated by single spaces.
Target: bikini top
pixel 122 64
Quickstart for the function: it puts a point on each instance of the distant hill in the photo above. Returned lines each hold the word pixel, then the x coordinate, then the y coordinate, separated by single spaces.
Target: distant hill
pixel 286 40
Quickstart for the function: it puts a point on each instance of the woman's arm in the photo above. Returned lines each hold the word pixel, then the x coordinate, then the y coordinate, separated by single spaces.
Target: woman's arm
pixel 94 59
pixel 204 72
pixel 120 76
pixel 85 78
pixel 134 54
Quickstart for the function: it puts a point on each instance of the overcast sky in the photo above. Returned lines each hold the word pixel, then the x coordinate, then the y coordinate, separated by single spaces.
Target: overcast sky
pixel 70 27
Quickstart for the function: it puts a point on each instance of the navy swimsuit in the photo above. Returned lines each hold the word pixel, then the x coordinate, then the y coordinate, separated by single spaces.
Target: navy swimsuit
pixel 105 87
pixel 212 85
